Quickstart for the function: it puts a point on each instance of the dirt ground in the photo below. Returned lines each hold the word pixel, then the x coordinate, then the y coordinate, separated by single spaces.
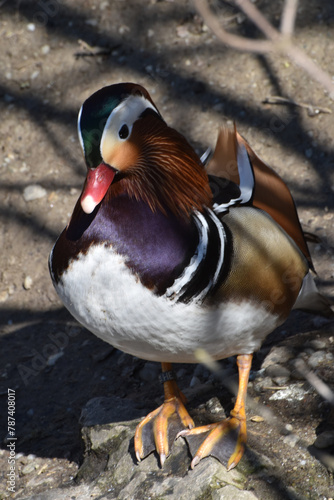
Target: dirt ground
pixel 54 54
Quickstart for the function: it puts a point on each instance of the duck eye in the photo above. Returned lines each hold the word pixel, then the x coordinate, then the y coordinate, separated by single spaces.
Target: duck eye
pixel 123 132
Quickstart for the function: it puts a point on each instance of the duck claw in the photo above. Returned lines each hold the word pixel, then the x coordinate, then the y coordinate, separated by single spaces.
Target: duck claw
pixel 158 430
pixel 224 440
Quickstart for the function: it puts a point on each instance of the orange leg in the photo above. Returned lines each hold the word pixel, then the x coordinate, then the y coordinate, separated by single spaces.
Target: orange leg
pixel 159 429
pixel 215 443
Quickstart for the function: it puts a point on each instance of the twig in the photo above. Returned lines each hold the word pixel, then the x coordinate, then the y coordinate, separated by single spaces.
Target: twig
pixel 275 388
pixel 289 17
pixel 316 382
pixel 279 42
pixel 237 42
pixel 309 66
pixel 258 18
pixel 89 50
pixel 312 110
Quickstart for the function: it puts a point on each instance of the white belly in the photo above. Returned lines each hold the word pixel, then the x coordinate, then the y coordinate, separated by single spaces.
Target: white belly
pixel 104 296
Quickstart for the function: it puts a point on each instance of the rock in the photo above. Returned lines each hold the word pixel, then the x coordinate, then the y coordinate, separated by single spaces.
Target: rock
pixel 150 372
pixel 256 374
pixel 306 350
pixel 82 492
pixel 261 384
pixel 104 5
pixel 45 49
pixel 277 355
pixel 316 359
pixel 276 370
pixel 181 373
pixel 293 393
pixel 295 373
pixel 281 381
pixel 101 410
pixel 111 469
pixel 91 22
pixel 34 192
pixel 200 371
pixel 316 344
pixel 34 75
pixel 103 353
pixel 27 469
pixel 324 440
pixel 8 98
pixel 215 408
pixel 287 429
pixel 291 440
pixel 51 361
pixel 4 296
pixel 232 493
pixel 27 283
pixel 194 381
pixel 319 321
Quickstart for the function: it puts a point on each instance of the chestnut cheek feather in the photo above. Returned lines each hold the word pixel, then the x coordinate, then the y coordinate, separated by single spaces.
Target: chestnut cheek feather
pixel 121 155
pixel 97 184
pixel 125 156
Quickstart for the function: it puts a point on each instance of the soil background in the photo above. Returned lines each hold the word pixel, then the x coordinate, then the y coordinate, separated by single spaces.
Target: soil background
pixel 53 55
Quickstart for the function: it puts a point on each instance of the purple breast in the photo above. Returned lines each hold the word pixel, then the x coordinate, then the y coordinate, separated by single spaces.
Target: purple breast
pixel 156 246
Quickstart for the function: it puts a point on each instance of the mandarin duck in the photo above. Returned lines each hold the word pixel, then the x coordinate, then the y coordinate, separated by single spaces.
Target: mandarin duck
pixel 164 256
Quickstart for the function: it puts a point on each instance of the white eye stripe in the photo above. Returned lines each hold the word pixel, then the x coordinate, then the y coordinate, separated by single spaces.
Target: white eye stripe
pixel 79 129
pixel 126 113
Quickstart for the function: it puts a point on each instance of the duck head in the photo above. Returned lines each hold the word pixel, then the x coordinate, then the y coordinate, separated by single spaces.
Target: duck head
pixel 128 148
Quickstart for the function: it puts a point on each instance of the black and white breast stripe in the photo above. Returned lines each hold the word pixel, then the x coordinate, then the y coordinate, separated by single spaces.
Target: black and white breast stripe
pixel 201 276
